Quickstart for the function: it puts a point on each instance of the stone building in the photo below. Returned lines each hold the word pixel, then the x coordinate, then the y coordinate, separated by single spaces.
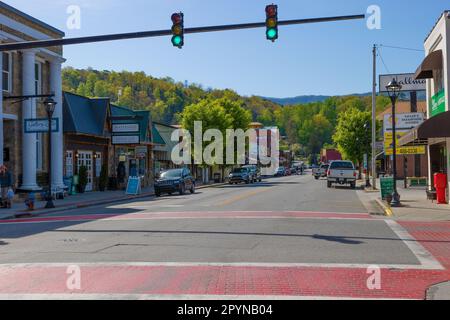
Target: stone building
pixel 29 72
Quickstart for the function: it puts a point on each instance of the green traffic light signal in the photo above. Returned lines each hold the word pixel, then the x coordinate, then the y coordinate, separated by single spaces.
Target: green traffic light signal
pixel 272 33
pixel 177 41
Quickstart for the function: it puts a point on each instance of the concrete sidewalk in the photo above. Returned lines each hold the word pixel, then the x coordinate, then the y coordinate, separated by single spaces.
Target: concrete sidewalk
pixel 415 205
pixel 81 200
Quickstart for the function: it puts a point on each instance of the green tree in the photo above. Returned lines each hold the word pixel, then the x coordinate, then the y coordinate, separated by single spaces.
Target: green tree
pixel 353 136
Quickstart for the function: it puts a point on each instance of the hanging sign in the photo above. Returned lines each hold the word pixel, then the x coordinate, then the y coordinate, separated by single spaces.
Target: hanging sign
pixel 40 125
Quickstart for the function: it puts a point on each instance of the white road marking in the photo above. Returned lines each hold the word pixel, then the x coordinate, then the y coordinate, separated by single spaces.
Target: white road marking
pixel 221 264
pixel 425 258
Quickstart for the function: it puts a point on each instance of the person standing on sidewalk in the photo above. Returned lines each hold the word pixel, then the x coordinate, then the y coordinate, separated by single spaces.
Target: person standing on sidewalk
pixel 5 184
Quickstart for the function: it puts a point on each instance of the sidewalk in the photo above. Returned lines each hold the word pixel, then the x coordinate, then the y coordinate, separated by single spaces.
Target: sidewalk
pixel 83 200
pixel 415 205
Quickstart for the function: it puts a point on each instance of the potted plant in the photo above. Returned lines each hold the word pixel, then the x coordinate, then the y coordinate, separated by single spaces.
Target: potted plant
pixel 83 179
pixel 103 181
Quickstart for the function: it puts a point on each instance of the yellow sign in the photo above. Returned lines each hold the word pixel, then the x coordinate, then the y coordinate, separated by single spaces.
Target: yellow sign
pixel 388 141
pixel 406 150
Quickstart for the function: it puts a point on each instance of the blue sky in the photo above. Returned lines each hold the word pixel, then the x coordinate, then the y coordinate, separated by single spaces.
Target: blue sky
pixel 329 58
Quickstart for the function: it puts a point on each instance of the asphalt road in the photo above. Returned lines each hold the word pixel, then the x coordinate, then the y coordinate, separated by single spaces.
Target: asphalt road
pixel 285 220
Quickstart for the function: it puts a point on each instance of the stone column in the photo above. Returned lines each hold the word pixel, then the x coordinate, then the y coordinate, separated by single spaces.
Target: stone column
pixel 28 112
pixel 57 137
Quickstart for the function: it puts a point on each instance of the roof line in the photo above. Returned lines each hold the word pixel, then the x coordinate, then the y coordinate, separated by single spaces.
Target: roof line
pixel 446 12
pixel 28 17
pixel 164 124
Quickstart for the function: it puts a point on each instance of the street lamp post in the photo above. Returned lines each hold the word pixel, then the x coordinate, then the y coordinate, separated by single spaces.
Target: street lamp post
pixel 393 89
pixel 49 104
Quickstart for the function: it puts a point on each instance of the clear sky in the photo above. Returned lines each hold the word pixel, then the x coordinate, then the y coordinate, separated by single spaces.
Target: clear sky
pixel 328 58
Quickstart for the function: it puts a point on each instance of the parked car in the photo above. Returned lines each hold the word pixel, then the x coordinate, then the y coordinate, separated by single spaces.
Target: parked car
pixel 239 175
pixel 314 169
pixel 255 172
pixel 281 172
pixel 321 172
pixel 342 172
pixel 175 180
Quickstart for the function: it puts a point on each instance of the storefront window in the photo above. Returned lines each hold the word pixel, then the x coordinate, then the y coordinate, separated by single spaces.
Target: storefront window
pixel 98 164
pixel 6 72
pixel 69 163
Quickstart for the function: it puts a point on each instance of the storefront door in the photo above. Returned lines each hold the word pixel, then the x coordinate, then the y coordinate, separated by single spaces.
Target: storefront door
pixel 85 159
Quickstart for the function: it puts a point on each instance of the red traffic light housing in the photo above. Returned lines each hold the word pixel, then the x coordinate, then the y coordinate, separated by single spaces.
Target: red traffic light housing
pixel 272 22
pixel 178 29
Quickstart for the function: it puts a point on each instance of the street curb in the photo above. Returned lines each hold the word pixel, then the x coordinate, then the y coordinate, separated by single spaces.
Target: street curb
pixel 387 209
pixel 63 207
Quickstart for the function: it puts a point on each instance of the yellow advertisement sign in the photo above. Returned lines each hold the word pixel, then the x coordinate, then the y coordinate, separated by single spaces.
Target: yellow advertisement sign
pixel 389 144
pixel 388 141
pixel 406 150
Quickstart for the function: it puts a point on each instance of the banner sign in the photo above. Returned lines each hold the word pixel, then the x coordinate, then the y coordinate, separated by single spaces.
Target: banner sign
pixel 40 125
pixel 437 103
pixel 403 121
pixel 125 127
pixel 405 79
pixel 126 140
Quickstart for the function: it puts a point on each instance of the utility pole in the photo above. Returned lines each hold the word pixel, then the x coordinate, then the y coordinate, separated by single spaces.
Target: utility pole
pixel 374 120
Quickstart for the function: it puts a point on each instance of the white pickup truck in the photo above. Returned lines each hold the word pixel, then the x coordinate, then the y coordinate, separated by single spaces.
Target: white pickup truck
pixel 341 172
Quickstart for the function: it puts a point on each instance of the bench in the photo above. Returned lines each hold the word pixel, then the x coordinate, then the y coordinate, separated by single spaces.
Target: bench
pixel 417 181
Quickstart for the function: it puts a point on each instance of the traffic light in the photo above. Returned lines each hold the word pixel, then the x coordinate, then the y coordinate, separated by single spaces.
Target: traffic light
pixel 178 30
pixel 272 22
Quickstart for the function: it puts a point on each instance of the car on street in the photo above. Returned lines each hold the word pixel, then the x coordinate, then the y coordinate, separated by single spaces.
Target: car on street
pixel 255 173
pixel 342 173
pixel 239 175
pixel 175 180
pixel 281 172
pixel 321 172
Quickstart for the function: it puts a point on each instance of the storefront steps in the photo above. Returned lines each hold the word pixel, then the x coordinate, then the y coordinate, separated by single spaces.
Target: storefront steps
pixel 414 205
pixel 81 200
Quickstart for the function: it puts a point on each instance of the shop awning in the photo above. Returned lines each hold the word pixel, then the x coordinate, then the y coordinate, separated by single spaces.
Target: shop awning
pixel 435 127
pixel 432 62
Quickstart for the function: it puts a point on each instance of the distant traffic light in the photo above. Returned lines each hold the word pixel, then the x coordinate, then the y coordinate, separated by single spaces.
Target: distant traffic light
pixel 178 30
pixel 272 22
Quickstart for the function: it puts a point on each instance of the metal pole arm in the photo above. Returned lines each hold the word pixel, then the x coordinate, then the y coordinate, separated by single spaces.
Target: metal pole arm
pixel 159 33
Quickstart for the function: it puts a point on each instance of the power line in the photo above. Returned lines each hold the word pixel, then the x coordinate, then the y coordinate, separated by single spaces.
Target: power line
pixel 382 60
pixel 402 48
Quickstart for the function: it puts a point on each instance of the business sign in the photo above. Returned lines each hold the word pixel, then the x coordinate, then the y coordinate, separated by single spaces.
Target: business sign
pixel 406 80
pixel 400 150
pixel 126 140
pixel 389 142
pixel 125 127
pixel 404 151
pixel 40 125
pixel 403 121
pixel 437 103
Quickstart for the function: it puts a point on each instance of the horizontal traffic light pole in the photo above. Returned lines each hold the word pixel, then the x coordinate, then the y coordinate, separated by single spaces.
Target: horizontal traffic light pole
pixel 159 33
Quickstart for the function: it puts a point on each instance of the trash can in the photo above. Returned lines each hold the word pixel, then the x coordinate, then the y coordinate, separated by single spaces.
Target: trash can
pixel 440 184
pixel 216 177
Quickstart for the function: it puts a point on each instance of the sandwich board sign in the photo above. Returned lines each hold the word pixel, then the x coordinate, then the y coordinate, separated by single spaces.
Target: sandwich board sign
pixel 134 186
